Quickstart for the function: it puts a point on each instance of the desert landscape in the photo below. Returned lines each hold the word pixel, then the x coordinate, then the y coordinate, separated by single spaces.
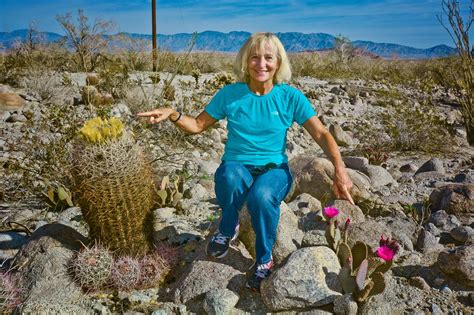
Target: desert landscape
pixel 71 200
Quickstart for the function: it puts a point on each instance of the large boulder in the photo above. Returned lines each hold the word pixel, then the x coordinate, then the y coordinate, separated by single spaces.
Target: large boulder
pixel 348 211
pixel 42 265
pixel 288 239
pixel 459 263
pixel 308 279
pixel 305 203
pixel 368 232
pixel 379 176
pixel 456 199
pixel 203 276
pixel 314 175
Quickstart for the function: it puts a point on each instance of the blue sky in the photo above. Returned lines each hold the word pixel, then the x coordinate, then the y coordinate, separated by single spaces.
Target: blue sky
pixel 406 22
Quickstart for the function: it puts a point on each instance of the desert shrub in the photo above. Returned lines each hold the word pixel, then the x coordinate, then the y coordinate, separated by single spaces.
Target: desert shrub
pixel 88 40
pixel 405 127
pixel 46 85
pixel 44 146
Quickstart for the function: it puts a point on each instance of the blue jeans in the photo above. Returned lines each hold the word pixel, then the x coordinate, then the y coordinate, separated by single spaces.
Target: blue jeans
pixel 263 188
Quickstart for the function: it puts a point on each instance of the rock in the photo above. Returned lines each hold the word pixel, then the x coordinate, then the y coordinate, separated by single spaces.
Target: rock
pixel 314 176
pixel 16 118
pixel 356 162
pixel 427 242
pixel 433 165
pixel 288 234
pixel 42 264
pixel 446 290
pixel 120 110
pixel 347 211
pixel 170 308
pixel 368 232
pixel 305 201
pixel 379 176
pixel 444 221
pixel 10 101
pixel 436 310
pixel 207 166
pixel 465 177
pixel 341 137
pixel 459 263
pixel 456 199
pixel 345 305
pixel 430 227
pixel 463 234
pixel 12 240
pixel 197 191
pixel 175 231
pixel 220 301
pixel 408 168
pixel 202 277
pixel 308 279
pixel 420 283
pixel 314 238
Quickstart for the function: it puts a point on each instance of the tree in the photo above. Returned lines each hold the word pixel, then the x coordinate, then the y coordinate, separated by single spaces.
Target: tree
pixel 88 40
pixel 344 49
pixel 458 29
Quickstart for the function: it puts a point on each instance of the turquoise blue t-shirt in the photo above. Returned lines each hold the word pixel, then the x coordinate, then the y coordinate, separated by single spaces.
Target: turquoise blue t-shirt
pixel 257 125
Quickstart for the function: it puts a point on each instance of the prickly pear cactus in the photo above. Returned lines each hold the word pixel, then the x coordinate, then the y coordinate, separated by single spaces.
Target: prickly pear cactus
pixel 114 187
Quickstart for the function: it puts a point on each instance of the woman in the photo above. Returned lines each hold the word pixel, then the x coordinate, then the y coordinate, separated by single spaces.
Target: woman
pixel 259 109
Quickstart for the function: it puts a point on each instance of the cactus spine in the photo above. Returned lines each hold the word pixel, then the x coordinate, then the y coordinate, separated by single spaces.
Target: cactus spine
pixel 114 186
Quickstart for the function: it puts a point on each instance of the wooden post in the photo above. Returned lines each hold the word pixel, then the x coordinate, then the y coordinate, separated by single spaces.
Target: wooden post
pixel 153 31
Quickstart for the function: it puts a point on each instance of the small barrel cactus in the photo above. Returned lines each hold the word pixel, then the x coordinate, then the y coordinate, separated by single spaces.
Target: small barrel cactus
pixel 153 269
pixel 10 294
pixel 92 79
pixel 114 186
pixel 126 273
pixel 90 95
pixel 92 267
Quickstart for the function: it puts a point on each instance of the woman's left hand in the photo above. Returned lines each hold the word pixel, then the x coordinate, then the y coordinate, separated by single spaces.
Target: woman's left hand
pixel 342 185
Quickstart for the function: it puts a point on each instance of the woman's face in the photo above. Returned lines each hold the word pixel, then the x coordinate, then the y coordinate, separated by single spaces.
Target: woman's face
pixel 262 64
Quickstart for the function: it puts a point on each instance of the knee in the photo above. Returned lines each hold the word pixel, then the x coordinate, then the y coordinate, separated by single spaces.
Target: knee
pixel 230 174
pixel 261 197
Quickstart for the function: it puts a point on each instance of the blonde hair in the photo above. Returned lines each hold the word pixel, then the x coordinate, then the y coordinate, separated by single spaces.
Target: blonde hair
pixel 257 41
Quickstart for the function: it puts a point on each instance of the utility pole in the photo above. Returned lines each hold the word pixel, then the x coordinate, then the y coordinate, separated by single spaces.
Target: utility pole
pixel 153 31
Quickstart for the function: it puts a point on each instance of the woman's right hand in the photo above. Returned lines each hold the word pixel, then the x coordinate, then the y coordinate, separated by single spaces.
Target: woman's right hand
pixel 159 114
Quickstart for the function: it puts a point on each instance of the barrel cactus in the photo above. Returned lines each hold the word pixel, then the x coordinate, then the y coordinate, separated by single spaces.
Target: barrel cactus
pixel 114 186
pixel 92 267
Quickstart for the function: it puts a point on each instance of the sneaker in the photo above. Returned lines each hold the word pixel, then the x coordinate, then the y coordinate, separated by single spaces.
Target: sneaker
pixel 260 272
pixel 218 247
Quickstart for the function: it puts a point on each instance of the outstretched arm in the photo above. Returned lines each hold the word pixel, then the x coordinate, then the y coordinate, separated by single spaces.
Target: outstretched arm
pixel 342 183
pixel 186 123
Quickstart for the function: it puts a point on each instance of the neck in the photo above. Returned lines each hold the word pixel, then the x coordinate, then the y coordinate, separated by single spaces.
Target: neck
pixel 260 88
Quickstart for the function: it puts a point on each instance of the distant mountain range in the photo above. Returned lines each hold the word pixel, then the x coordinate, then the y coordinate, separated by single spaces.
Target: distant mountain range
pixel 231 42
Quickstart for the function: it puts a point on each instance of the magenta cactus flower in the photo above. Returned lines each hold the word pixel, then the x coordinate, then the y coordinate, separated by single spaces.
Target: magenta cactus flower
pixel 346 225
pixel 330 212
pixel 387 248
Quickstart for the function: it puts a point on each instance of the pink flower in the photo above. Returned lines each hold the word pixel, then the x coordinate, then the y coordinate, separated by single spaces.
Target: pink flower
pixel 330 212
pixel 346 225
pixel 387 248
